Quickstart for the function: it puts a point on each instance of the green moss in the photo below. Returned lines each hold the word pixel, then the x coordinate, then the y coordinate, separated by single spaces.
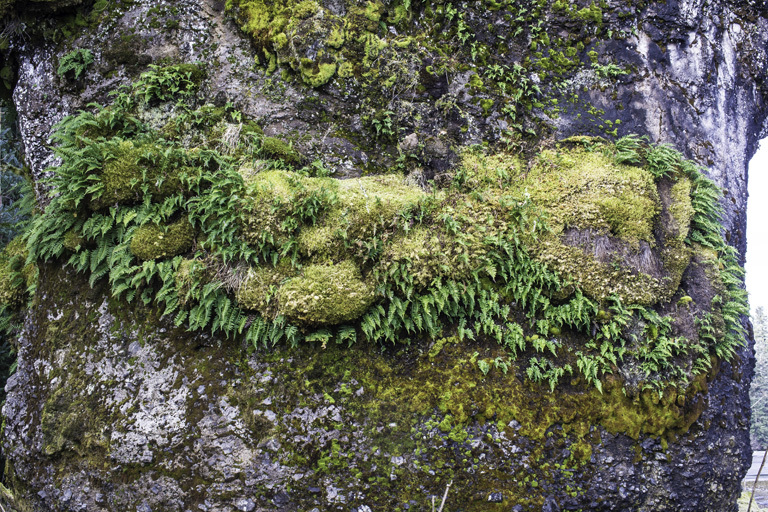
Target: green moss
pixel 627 216
pixel 316 75
pixel 450 403
pixel 127 167
pixel 120 175
pixel 593 14
pixel 365 202
pixel 305 9
pixel 15 274
pixel 336 38
pixel 577 188
pixel 258 291
pixel 423 253
pixel 281 150
pixel 72 240
pixel 151 242
pixel 681 208
pixel 363 205
pixel 587 191
pixel 326 295
pixel 69 422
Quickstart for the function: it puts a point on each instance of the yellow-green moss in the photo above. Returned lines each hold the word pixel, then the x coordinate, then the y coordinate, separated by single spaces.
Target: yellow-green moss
pixel 281 150
pixel 275 197
pixel 15 274
pixel 316 75
pixel 368 201
pixel 449 400
pixel 67 422
pixel 336 38
pixel 72 240
pixel 152 242
pixel 627 216
pixel 363 205
pixel 122 175
pixel 258 290
pixel 587 191
pixel 681 208
pixel 578 188
pixel 326 295
pixel 479 170
pixel 425 257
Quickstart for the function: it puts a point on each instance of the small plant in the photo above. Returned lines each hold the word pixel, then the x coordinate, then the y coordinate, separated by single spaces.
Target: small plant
pixel 166 83
pixel 608 70
pixel 384 124
pixel 75 63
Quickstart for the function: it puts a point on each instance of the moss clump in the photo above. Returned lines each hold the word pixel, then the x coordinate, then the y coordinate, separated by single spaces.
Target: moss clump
pixel 280 203
pixel 258 291
pixel 587 189
pixel 424 256
pixel 326 295
pixel 322 214
pixel 602 217
pixel 68 421
pixel 15 274
pixel 151 242
pixel 593 14
pixel 363 206
pixel 681 209
pixel 316 75
pixel 128 166
pixel 479 171
pixel 120 175
pixel 280 150
pixel 73 240
pixel 526 255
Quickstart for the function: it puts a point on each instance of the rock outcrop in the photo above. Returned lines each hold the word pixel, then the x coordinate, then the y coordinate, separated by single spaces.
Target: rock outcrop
pixel 346 255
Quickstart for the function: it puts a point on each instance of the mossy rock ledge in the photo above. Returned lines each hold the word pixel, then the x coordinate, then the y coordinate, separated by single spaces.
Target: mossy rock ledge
pixel 167 419
pixel 356 255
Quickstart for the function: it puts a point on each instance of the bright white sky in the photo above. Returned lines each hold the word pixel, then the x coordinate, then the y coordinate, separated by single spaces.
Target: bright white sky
pixel 757 229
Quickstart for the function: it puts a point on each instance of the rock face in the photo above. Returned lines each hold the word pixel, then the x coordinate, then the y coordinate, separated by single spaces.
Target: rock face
pixel 116 407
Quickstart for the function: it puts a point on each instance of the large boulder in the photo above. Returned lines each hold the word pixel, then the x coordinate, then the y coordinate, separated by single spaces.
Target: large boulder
pixel 509 297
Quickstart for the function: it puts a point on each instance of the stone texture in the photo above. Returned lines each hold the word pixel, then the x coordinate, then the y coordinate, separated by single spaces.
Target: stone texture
pixel 115 410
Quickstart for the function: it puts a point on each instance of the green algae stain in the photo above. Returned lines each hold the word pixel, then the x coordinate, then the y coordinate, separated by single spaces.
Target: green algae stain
pixel 455 414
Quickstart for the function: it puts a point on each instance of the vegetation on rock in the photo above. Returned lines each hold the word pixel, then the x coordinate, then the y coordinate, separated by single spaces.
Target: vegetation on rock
pixel 526 254
pixel 75 63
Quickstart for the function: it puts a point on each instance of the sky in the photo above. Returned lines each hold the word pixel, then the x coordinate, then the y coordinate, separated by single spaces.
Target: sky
pixel 757 229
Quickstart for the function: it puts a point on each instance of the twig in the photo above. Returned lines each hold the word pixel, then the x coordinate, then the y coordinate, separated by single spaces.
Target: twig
pixel 754 487
pixel 445 496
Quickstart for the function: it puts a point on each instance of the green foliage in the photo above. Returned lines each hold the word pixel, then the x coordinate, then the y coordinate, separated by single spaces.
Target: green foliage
pixel 608 70
pixel 167 83
pixel 282 257
pixel 280 150
pixel 75 62
pixel 151 242
pixel 15 192
pixel 326 295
